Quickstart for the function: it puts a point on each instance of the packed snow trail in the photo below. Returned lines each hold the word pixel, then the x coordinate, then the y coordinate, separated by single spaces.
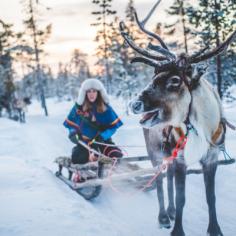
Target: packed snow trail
pixel 34 202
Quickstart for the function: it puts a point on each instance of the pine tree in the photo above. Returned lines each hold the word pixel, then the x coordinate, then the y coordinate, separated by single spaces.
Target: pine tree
pixel 79 65
pixel 6 36
pixel 134 75
pixel 115 41
pixel 215 19
pixel 179 9
pixel 102 22
pixel 38 38
pixel 7 87
pixel 133 30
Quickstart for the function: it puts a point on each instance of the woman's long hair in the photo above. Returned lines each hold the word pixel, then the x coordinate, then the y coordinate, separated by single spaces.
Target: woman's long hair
pixel 100 104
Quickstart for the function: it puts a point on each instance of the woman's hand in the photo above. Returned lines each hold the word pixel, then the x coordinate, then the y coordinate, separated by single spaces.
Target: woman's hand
pixel 73 138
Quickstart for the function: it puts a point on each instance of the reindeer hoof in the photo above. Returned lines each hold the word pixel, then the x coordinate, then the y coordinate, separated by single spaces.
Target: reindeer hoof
pixel 164 221
pixel 214 231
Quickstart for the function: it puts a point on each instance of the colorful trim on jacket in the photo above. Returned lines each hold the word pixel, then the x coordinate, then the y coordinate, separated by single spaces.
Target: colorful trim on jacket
pixel 80 122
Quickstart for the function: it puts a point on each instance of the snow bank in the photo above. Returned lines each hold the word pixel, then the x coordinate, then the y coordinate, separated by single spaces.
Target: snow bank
pixel 33 202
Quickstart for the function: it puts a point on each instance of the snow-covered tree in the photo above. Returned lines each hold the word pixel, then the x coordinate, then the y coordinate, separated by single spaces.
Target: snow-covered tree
pixel 7 87
pixel 104 16
pixel 70 75
pixel 79 64
pixel 214 21
pixel 178 9
pixel 36 38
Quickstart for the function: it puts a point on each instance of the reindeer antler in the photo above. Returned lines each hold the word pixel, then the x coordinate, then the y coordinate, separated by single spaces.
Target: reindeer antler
pixel 138 49
pixel 164 49
pixel 149 58
pixel 218 50
pixel 168 59
pixel 155 36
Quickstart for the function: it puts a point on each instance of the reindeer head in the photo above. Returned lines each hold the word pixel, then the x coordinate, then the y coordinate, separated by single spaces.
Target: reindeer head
pixel 168 97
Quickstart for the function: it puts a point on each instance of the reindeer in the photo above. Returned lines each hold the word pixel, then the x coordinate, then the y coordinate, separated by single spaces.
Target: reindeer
pixel 5 104
pixel 179 101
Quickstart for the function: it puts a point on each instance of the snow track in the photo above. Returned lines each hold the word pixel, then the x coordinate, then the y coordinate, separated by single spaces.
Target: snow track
pixel 33 202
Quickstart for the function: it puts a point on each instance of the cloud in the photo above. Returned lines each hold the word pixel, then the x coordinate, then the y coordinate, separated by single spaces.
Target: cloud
pixel 81 9
pixel 71 21
pixel 67 39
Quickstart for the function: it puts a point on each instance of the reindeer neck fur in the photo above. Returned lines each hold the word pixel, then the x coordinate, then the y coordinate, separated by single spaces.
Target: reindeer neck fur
pixel 205 115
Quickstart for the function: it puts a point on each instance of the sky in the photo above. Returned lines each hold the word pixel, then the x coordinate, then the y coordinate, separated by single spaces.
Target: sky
pixel 71 21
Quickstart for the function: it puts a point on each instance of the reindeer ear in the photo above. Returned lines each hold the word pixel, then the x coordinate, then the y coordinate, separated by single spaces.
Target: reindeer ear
pixel 173 83
pixel 197 74
pixel 189 71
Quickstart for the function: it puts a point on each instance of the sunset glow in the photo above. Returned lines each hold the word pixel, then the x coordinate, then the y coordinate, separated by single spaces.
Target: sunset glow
pixel 71 21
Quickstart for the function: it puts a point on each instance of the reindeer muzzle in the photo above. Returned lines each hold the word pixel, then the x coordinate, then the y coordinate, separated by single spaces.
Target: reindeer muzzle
pixel 151 117
pixel 137 107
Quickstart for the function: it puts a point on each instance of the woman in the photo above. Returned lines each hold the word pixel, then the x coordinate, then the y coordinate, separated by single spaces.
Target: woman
pixel 90 120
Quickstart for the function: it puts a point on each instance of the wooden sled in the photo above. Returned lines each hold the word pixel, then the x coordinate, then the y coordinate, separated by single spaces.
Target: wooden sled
pixel 95 175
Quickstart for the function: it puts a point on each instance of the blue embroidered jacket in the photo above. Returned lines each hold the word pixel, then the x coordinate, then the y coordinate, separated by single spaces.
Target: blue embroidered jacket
pixel 105 126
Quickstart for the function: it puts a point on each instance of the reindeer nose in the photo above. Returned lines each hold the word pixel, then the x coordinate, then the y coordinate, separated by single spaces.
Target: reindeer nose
pixel 137 107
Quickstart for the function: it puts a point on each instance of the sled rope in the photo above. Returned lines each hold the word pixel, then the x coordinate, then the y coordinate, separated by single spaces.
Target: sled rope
pixel 166 161
pixel 179 146
pixel 160 169
pixel 130 194
pixel 92 150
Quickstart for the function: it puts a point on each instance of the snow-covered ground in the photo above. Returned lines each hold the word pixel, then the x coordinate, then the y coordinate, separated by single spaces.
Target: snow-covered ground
pixel 33 202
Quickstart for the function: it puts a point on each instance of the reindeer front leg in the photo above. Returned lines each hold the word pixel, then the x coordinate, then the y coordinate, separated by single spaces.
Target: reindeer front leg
pixel 209 180
pixel 163 217
pixel 180 177
pixel 170 190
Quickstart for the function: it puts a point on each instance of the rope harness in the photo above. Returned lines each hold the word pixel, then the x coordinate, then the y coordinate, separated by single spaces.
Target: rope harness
pixel 159 169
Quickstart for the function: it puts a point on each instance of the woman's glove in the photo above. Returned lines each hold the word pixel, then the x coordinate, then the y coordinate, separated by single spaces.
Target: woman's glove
pixel 74 138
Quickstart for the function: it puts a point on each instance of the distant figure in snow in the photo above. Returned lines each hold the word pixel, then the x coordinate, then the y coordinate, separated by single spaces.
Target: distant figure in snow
pixel 20 106
pixel 92 120
pixel 5 103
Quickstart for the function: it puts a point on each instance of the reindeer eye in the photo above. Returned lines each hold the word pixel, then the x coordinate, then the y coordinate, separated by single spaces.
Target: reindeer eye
pixel 175 80
pixel 173 83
